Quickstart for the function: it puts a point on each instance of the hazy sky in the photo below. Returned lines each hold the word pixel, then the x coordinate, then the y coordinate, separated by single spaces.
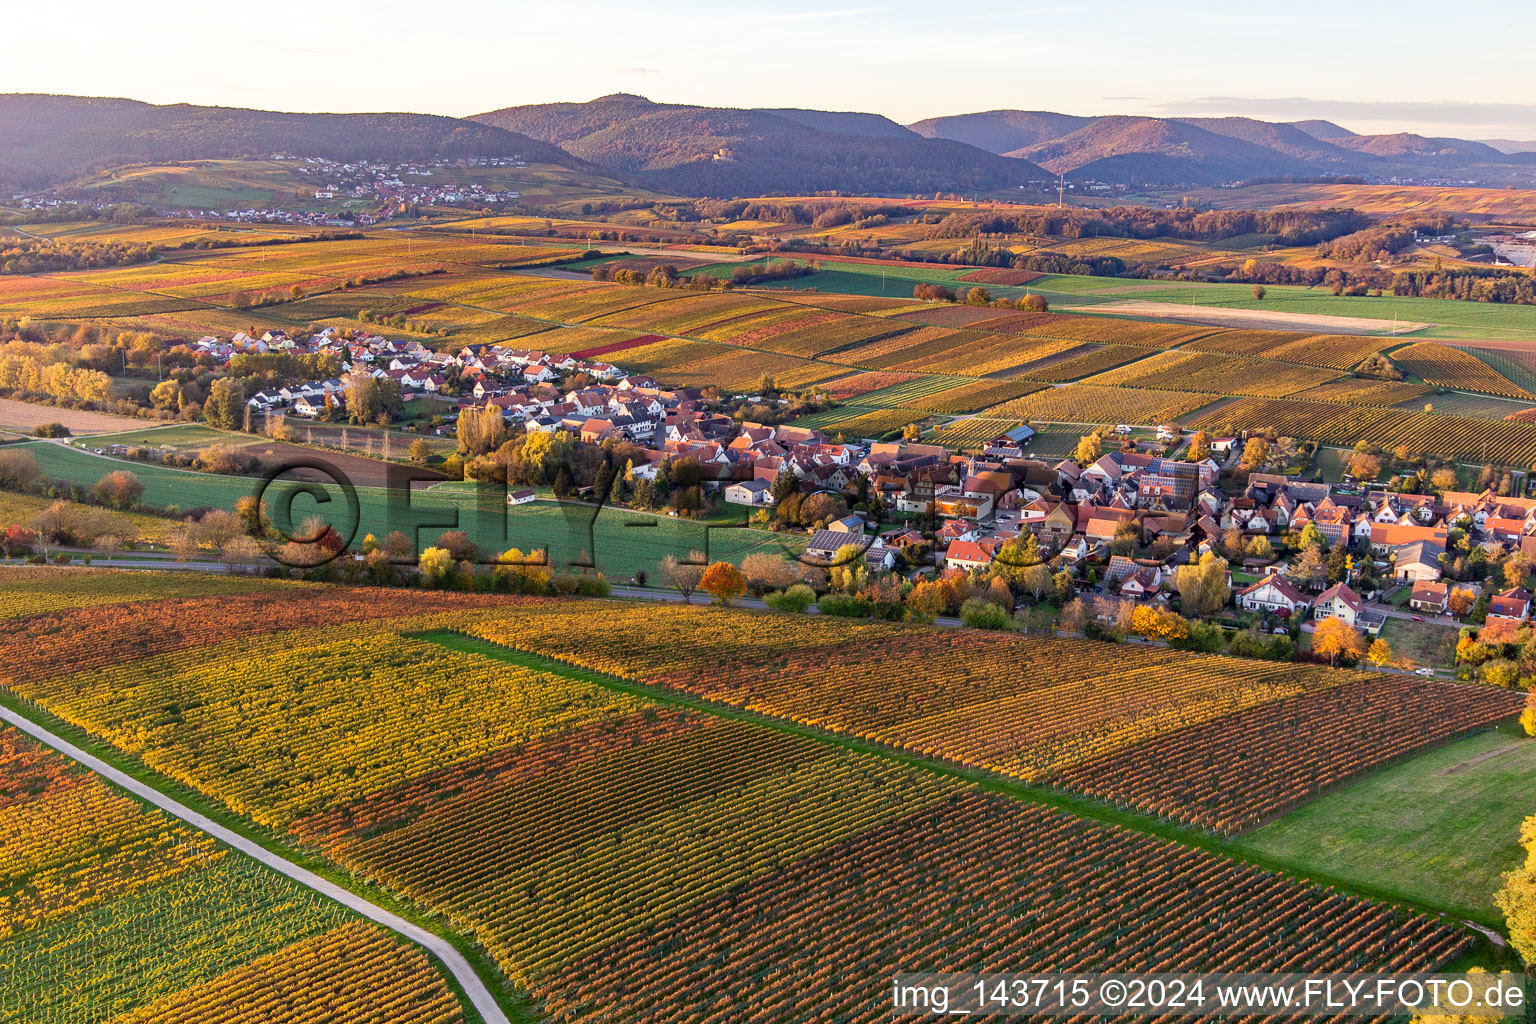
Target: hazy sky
pixel 1437 68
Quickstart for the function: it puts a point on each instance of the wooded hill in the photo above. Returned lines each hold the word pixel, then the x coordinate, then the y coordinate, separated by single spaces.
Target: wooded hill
pixel 719 151
pixel 49 139
pixel 1217 150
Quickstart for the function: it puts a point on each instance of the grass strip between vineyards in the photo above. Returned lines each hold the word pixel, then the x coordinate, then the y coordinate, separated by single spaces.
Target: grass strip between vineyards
pixel 1015 788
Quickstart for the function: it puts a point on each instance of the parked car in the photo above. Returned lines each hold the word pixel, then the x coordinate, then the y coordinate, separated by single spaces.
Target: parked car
pixel 1423 671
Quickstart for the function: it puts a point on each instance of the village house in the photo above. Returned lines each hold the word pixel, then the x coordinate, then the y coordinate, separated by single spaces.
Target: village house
pixel 1430 598
pixel 1339 602
pixel 1513 604
pixel 1418 560
pixel 1271 594
pixel 749 492
pixel 967 555
pixel 1387 538
pixel 823 546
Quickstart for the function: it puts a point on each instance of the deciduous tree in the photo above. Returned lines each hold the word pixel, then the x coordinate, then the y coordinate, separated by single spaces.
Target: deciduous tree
pixel 1037 580
pixel 1517 899
pixel 119 488
pixel 1158 623
pixel 683 576
pixel 1255 454
pixel 928 600
pixel 19 471
pixel 435 565
pixel 1203 586
pixel 723 582
pixel 107 544
pixel 1460 601
pixel 1335 639
pixel 765 571
pixel 14 538
pixel 1381 654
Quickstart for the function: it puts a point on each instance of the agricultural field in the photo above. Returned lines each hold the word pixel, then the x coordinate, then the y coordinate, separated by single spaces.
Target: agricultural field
pixel 993 355
pixel 1365 391
pixel 166 235
pixel 1513 205
pixel 695 841
pixel 31 592
pixel 1049 441
pixel 1447 367
pixel 1076 366
pixel 735 370
pixel 1307 745
pixel 1207 372
pixel 1075 729
pixel 1468 404
pixel 56 298
pixel 909 392
pixel 24 417
pixel 1514 363
pixel 1331 351
pixel 859 421
pixel 1440 823
pixel 1285 305
pixel 1105 330
pixel 970 433
pixel 1092 404
pixel 1481 440
pixel 179 436
pixel 115 911
pixel 975 395
pixel 849 913
pixel 941 315
pixel 857 384
pixel 909 346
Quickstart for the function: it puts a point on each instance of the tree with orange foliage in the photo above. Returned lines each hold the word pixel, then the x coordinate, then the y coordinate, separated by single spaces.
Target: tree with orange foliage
pixel 1158 623
pixel 928 600
pixel 723 581
pixel 1334 638
pixel 1381 655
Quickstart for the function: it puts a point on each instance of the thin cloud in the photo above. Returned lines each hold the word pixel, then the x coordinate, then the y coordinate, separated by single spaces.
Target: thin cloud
pixel 777 17
pixel 636 71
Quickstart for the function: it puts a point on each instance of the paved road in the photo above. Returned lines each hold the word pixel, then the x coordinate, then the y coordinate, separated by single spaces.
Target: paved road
pixel 451 958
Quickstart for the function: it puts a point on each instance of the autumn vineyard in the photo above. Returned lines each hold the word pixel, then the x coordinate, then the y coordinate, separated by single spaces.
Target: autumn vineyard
pixel 703 857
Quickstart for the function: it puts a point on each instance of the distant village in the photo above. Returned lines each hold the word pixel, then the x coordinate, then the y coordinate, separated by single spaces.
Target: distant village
pixel 382 186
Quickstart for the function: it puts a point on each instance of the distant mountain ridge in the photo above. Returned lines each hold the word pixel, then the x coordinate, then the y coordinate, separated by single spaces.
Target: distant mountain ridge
pixel 1209 151
pixel 1511 145
pixel 1001 131
pixel 687 149
pixel 723 151
pixel 50 138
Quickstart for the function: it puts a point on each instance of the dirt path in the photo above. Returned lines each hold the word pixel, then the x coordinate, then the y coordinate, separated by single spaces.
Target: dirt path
pixel 1480 758
pixel 451 958
pixel 1253 319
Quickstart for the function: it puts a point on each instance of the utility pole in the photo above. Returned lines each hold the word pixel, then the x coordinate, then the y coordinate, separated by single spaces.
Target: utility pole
pixel 1061 190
